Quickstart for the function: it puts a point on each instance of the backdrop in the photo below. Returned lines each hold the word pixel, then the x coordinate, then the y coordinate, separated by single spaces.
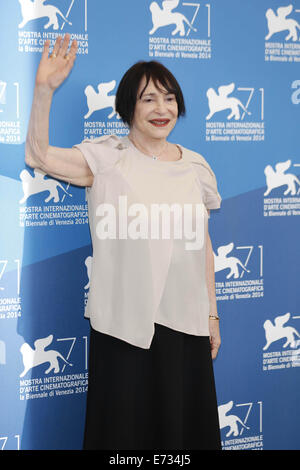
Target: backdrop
pixel 238 65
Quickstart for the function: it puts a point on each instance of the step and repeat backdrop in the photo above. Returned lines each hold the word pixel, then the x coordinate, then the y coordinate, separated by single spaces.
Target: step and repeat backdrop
pixel 238 63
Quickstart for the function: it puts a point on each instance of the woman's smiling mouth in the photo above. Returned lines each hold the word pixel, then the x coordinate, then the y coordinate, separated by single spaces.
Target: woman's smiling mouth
pixel 159 122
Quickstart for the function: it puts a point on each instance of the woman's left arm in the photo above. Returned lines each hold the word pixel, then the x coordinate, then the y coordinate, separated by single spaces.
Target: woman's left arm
pixel 214 330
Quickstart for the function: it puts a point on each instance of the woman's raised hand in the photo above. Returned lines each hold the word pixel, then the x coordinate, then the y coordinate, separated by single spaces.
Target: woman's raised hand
pixel 54 69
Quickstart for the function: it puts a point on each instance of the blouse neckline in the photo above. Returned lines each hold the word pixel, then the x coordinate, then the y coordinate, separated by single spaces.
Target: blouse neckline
pixel 153 161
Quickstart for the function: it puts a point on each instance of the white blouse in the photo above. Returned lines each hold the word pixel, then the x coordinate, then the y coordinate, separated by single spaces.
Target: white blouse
pixel 138 281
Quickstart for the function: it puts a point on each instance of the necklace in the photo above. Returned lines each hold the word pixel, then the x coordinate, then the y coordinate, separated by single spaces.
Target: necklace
pixel 154 157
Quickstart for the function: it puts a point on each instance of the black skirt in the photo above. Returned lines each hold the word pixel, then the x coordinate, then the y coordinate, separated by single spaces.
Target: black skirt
pixel 162 398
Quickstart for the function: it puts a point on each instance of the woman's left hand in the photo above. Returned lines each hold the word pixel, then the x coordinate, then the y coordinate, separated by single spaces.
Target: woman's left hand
pixel 215 338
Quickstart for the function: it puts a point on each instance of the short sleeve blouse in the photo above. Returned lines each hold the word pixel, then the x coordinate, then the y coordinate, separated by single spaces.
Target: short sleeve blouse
pixel 138 281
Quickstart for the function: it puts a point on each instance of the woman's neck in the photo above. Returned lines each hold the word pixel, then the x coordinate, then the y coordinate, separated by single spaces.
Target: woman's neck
pixel 148 145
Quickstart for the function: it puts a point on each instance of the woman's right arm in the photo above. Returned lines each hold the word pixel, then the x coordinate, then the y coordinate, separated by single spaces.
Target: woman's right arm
pixel 67 164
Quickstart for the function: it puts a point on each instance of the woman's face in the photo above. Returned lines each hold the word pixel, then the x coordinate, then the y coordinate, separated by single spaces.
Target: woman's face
pixel 155 112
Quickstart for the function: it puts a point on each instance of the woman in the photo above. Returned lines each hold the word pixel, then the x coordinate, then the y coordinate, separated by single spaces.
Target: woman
pixel 152 303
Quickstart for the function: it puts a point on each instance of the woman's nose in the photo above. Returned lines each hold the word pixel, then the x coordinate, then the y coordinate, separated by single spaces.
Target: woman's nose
pixel 161 106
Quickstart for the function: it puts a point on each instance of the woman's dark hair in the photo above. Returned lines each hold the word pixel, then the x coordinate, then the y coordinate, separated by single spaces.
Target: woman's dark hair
pixel 127 91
